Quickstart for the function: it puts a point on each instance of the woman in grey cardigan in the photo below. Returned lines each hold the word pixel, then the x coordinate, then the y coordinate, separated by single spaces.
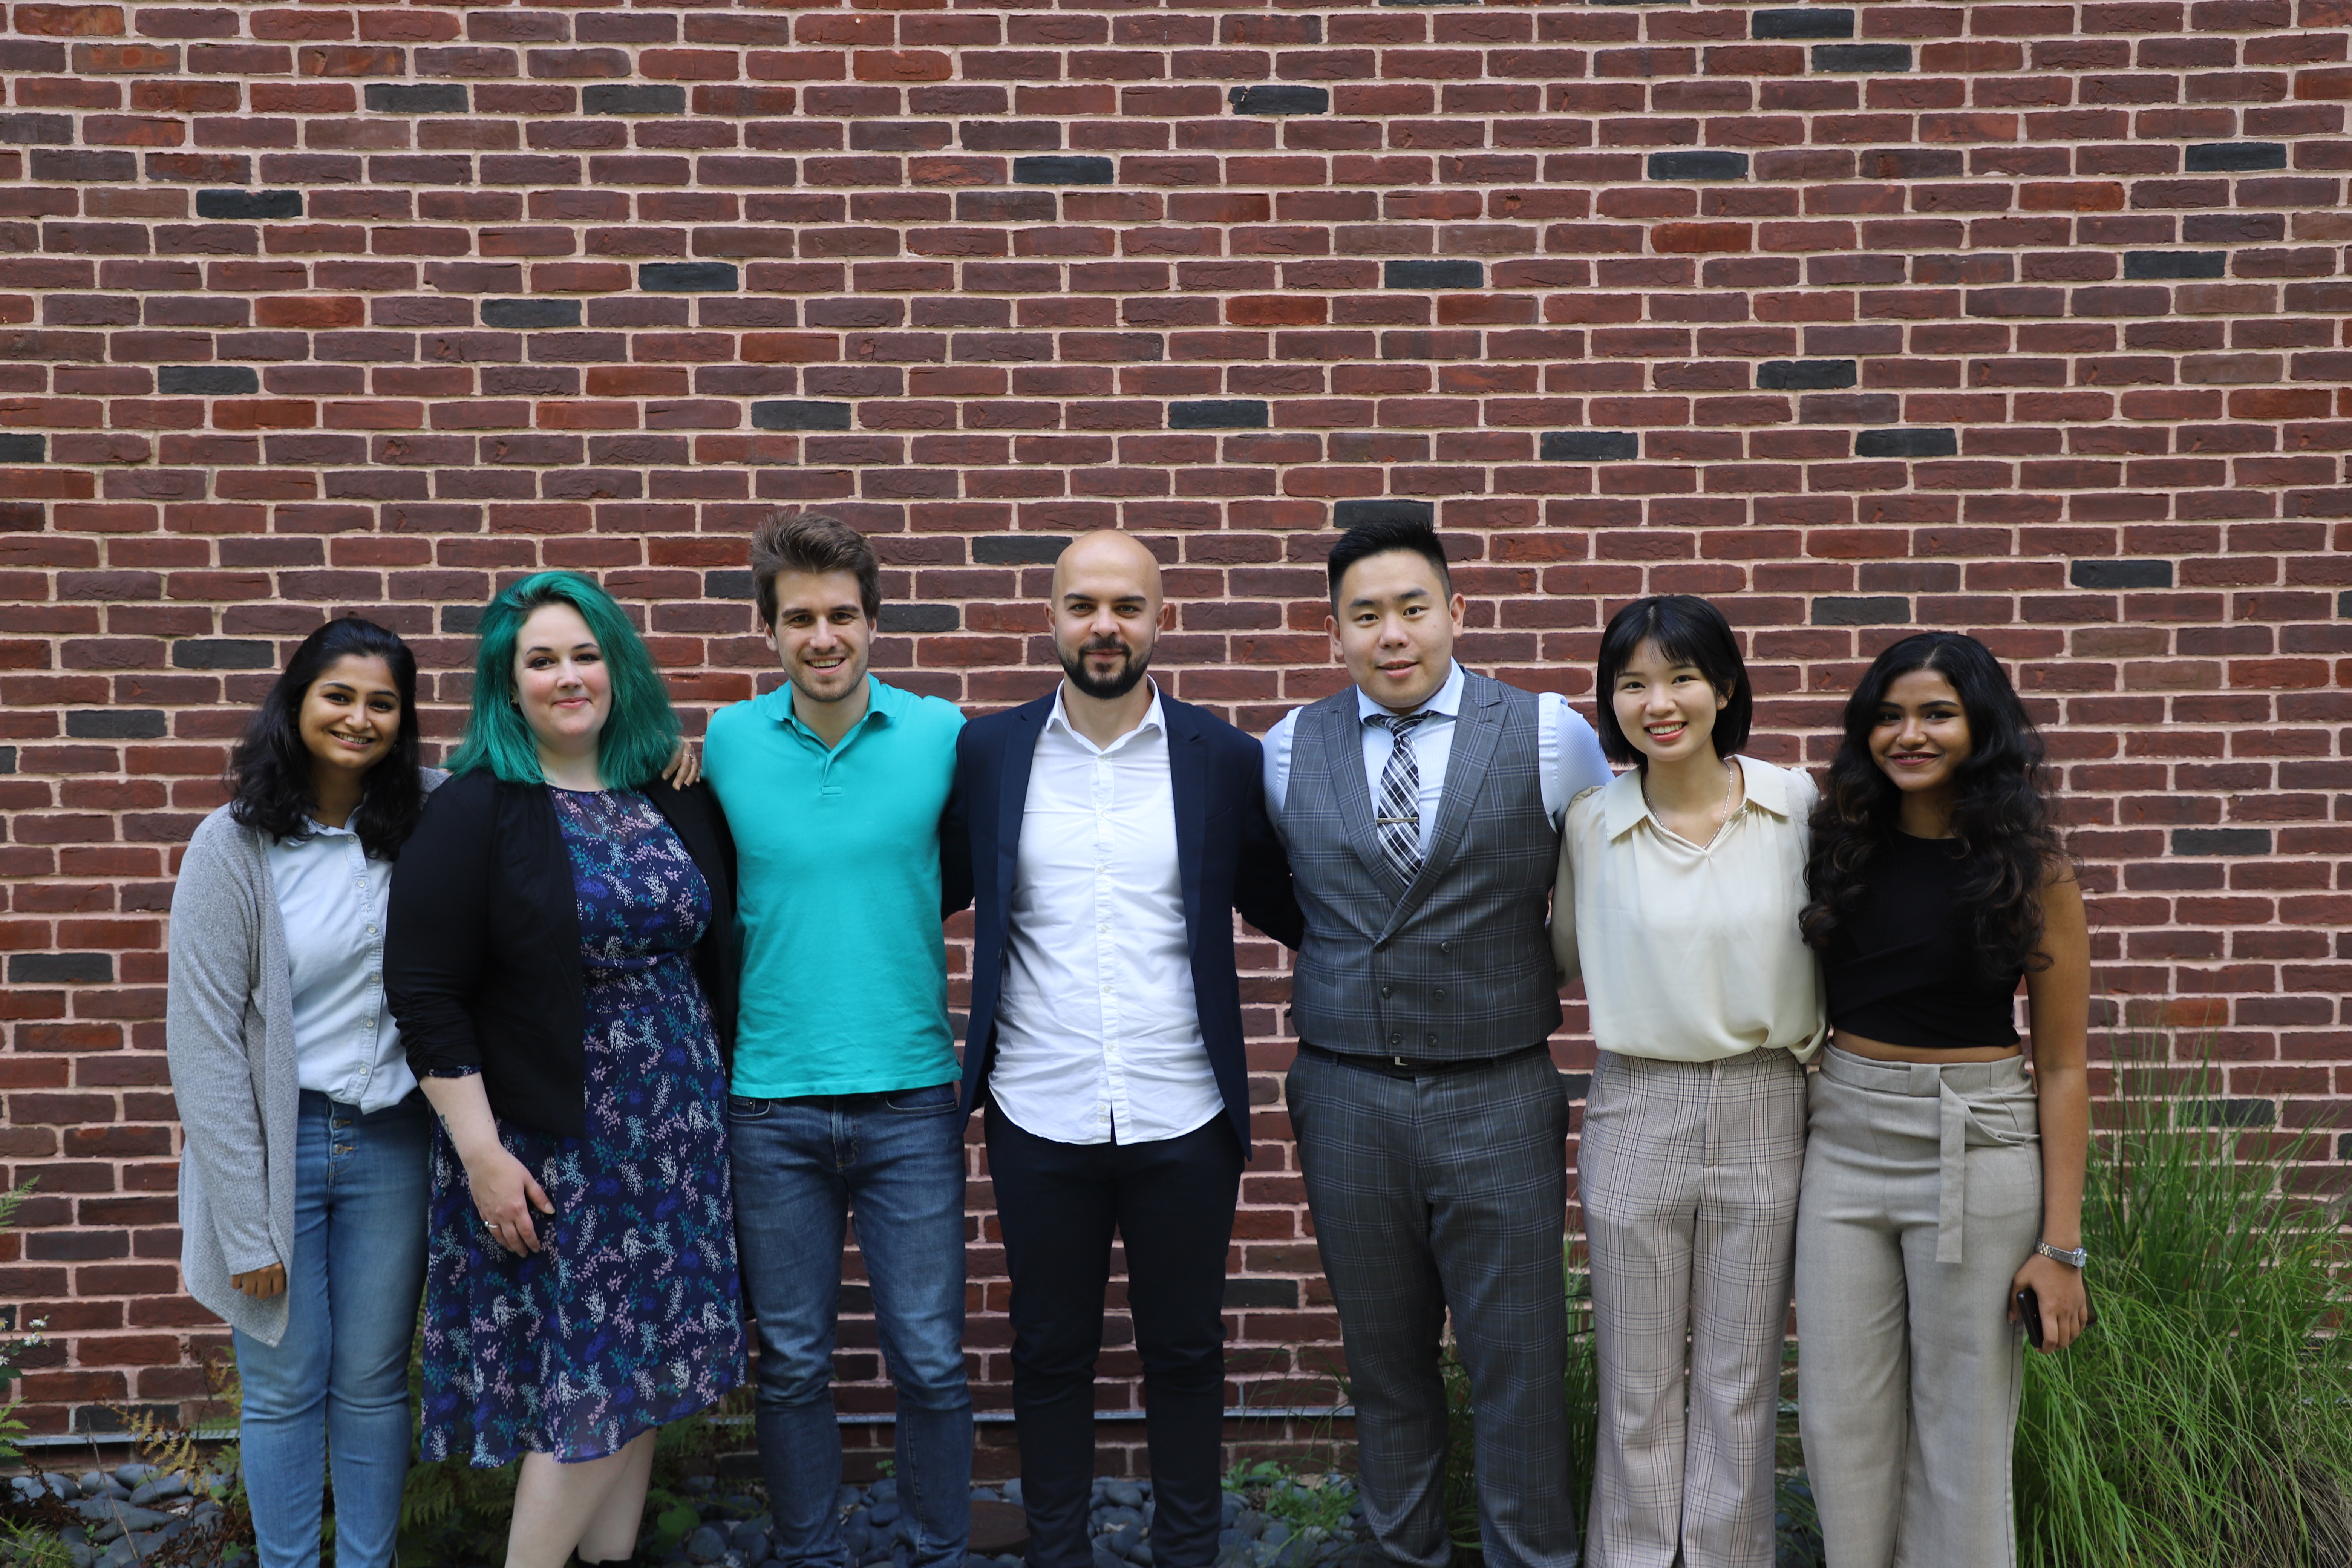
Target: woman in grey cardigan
pixel 302 1193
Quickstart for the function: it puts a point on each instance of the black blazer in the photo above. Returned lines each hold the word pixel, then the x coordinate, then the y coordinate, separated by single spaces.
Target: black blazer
pixel 1227 857
pixel 481 963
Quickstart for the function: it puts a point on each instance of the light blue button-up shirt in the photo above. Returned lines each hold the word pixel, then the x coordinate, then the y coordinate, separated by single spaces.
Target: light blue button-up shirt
pixel 331 898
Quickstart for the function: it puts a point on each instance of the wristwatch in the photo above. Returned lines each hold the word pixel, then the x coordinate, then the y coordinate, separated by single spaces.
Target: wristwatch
pixel 2074 1259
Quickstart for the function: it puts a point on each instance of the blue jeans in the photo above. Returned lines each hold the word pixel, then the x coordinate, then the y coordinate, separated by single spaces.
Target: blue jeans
pixel 337 1382
pixel 803 1167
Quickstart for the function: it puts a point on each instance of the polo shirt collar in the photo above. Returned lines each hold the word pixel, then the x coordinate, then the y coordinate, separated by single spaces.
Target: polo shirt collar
pixel 884 704
pixel 1446 700
pixel 1767 787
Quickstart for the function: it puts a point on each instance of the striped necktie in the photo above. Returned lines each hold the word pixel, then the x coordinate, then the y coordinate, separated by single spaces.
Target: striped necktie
pixel 1398 820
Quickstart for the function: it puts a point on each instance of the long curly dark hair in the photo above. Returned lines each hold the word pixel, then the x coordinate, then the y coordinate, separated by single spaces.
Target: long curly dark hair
pixel 2000 817
pixel 269 773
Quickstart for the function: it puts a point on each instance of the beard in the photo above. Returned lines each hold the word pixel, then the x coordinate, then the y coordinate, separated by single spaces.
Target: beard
pixel 1111 688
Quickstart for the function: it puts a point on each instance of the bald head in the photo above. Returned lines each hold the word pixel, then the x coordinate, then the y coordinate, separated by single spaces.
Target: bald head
pixel 1105 612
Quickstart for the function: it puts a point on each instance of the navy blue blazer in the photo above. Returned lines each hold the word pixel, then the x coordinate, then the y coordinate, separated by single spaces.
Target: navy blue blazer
pixel 1227 855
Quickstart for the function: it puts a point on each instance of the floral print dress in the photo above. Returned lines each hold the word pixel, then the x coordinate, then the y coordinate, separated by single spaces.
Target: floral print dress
pixel 630 1316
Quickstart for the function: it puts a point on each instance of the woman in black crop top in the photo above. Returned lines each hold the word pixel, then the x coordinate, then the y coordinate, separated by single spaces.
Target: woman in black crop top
pixel 1941 1180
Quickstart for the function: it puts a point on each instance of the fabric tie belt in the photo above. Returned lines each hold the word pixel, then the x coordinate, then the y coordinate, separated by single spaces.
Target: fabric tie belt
pixel 1416 1066
pixel 1960 1090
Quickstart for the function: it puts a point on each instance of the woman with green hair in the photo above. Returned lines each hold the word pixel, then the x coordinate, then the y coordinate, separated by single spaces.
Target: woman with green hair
pixel 559 962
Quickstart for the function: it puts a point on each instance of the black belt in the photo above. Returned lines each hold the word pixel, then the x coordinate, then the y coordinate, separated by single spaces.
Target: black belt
pixel 1417 1066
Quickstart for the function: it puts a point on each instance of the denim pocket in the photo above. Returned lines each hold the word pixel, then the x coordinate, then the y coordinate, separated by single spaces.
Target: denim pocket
pixel 743 1108
pixel 931 1099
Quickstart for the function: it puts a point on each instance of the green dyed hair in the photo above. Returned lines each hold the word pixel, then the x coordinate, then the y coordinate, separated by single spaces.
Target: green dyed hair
pixel 640 730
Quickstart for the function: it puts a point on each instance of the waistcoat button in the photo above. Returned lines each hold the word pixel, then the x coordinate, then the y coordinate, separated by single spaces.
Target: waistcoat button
pixel 1397 1039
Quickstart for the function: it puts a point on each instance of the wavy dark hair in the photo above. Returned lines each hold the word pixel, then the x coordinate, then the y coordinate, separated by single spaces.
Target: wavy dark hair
pixel 269 773
pixel 2000 815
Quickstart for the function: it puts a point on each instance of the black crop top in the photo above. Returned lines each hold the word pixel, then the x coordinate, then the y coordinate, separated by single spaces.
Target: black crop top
pixel 1901 968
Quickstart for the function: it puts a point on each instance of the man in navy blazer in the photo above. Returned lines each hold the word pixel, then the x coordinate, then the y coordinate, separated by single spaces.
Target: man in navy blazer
pixel 1106 834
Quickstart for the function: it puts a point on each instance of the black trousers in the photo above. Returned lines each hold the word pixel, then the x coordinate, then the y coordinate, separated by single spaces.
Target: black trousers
pixel 1171 1202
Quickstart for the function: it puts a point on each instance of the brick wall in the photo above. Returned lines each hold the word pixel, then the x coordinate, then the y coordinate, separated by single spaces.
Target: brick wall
pixel 2024 319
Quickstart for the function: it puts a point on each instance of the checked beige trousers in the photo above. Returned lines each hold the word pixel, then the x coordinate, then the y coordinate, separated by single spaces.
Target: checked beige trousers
pixel 1689 1172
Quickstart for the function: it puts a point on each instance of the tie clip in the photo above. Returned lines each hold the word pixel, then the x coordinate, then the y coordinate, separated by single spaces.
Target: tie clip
pixel 1396 821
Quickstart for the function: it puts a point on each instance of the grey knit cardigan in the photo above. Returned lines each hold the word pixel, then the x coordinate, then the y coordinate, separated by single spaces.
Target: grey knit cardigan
pixel 229 1032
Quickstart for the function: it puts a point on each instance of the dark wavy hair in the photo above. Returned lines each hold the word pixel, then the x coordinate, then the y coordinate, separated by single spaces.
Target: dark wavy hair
pixel 269 773
pixel 1688 630
pixel 2000 815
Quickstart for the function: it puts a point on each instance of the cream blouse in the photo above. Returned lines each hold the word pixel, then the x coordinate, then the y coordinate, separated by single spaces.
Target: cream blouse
pixel 1691 954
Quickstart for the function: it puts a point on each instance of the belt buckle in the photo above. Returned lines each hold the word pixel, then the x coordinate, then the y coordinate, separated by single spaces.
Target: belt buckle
pixel 1401 1064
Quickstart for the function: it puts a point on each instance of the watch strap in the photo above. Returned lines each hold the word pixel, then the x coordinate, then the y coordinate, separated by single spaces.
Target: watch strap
pixel 2076 1258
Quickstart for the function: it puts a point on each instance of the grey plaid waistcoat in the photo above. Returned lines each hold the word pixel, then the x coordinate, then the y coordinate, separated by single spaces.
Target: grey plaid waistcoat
pixel 1459 964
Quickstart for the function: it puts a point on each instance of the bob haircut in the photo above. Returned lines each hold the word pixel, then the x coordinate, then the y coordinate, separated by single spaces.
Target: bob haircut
pixel 2001 817
pixel 1370 539
pixel 1688 630
pixel 641 731
pixel 269 772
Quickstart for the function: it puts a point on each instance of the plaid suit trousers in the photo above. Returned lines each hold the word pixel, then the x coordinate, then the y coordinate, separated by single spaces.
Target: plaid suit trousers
pixel 1689 1172
pixel 1448 1192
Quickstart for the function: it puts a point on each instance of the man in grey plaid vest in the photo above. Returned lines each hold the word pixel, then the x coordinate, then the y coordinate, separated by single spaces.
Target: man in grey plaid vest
pixel 1422 808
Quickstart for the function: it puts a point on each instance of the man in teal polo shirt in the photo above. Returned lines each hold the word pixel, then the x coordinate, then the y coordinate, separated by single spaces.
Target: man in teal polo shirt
pixel 844 1095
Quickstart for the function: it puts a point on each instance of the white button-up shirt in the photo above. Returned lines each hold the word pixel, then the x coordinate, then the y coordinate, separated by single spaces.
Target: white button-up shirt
pixel 1098 1031
pixel 1568 754
pixel 331 898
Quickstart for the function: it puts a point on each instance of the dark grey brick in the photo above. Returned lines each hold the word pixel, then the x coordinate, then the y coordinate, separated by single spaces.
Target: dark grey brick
pixel 61 969
pixel 2234 157
pixel 1861 57
pixel 1019 549
pixel 2230 1112
pixel 248 207
pixel 2121 574
pixel 1450 273
pixel 1352 513
pixel 461 620
pixel 7 759
pixel 1916 441
pixel 1879 610
pixel 36 130
pixel 1279 98
pixel 207 380
pixel 728 583
pixel 1807 375
pixel 85 165
pixel 2344 603
pixel 2176 263
pixel 1801 22
pixel 1589 446
pixel 525 314
pixel 2221 841
pixel 687 276
pixel 223 653
pixel 1220 414
pixel 1062 169
pixel 115 724
pixel 1575 1085
pixel 1257 1292
pixel 1698 163
pixel 416 98
pixel 917 618
pixel 1481 2
pixel 799 413
pixel 22 446
pixel 633 98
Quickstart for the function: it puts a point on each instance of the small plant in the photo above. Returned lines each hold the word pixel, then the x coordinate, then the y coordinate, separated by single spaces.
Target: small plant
pixel 2206 1422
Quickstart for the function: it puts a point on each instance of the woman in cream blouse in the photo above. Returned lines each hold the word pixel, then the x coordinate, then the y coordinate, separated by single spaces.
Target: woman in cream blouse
pixel 1679 887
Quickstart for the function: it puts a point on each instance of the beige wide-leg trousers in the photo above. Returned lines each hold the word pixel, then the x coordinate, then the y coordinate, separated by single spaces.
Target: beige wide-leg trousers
pixel 1688 1173
pixel 1922 1198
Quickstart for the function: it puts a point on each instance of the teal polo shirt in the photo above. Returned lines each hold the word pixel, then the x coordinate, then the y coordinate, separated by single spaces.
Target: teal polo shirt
pixel 845 982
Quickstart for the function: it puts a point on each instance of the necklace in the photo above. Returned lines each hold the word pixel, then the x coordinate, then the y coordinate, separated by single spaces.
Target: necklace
pixel 1722 817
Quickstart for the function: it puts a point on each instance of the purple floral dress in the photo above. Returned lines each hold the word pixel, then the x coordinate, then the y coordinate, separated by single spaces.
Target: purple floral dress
pixel 630 1317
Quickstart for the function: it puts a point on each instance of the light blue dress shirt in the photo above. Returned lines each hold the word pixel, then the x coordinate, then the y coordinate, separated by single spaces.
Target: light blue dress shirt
pixel 331 898
pixel 1567 752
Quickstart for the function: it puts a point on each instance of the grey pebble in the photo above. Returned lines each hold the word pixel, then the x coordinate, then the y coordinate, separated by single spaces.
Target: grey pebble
pixel 706 1545
pixel 1124 1494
